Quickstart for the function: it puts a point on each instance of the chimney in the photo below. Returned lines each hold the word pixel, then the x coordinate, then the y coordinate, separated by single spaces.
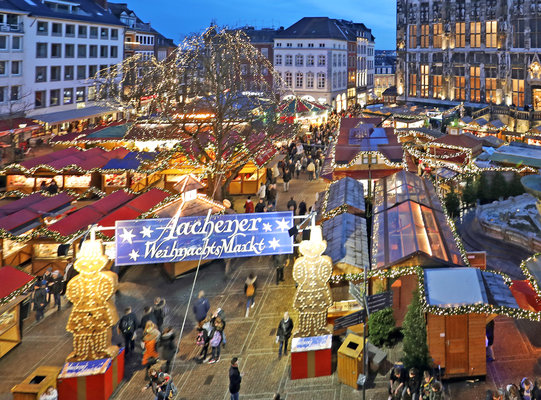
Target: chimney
pixel 102 3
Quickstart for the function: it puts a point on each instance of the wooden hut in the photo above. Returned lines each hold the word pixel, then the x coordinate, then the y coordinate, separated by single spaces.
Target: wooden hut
pixel 344 195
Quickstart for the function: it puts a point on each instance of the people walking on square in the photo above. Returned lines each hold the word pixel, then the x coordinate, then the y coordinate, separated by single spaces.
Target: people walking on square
pixel 287 178
pixel 203 340
pixel 151 335
pixel 148 315
pixel 298 168
pixel 159 311
pixel 201 308
pixel 292 205
pixel 127 325
pixel 262 192
pixel 39 300
pixel 311 169
pixel 56 288
pixel 526 388
pixel 280 261
pixel 249 290
pixel 260 207
pixel 249 205
pixel 271 196
pixel 283 333
pixel 49 282
pixel 219 318
pixel 167 345
pixel 513 393
pixel 302 208
pixel 235 379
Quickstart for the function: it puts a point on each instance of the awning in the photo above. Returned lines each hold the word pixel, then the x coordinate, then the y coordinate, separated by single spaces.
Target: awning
pixel 90 214
pixel 73 115
pixel 12 280
pixel 125 163
pixel 133 209
pixel 20 204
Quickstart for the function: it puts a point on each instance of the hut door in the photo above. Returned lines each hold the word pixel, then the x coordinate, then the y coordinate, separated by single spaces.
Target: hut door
pixel 456 345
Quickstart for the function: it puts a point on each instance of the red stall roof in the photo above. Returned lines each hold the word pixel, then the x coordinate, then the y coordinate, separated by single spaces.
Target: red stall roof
pixel 29 217
pixel 12 279
pixel 49 157
pixel 87 159
pixel 133 209
pixel 20 204
pixel 90 214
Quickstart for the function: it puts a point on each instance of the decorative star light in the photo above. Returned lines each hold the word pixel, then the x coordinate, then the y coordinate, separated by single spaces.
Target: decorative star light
pixel 274 243
pixel 282 225
pixel 134 255
pixel 127 235
pixel 267 227
pixel 146 232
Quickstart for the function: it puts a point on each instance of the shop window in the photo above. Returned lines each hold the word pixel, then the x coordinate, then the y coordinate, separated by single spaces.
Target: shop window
pixel 39 99
pixel 54 97
pixel 68 96
pixel 80 94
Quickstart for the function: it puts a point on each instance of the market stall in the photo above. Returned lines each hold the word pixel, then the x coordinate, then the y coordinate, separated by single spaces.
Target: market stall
pixel 303 111
pixel 343 195
pixel 15 285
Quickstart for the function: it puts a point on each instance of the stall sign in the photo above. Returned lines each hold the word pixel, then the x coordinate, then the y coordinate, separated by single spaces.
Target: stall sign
pixel 151 241
pixel 85 368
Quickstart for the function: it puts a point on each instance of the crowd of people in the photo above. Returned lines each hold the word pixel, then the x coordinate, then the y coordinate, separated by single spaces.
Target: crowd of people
pixel 526 390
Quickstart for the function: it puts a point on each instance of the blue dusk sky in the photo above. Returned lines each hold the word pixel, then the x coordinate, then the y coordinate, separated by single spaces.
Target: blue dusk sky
pixel 177 18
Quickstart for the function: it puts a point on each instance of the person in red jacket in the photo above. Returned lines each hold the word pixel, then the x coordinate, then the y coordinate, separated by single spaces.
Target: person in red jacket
pixel 249 205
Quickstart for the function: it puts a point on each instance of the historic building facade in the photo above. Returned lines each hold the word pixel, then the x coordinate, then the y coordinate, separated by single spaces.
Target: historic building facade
pixel 474 51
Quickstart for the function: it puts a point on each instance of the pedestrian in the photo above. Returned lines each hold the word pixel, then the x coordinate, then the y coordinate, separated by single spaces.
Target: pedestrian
pixel 148 315
pixel 249 290
pixel 262 191
pixel 302 208
pixel 287 178
pixel 260 207
pixel 154 380
pixel 292 205
pixel 151 335
pixel 219 313
pixel 283 333
pixel 489 331
pixel 311 168
pixel 513 393
pixel 167 344
pixel 166 389
pixel 69 274
pixel 427 383
pixel 271 196
pixel 280 261
pixel 201 308
pixel 127 325
pixel 526 389
pixel 50 394
pixel 298 167
pixel 56 288
pixel 235 378
pixel 49 282
pixel 436 391
pixel 249 205
pixel 396 384
pixel 215 340
pixel 203 339
pixel 52 188
pixel 412 386
pixel 536 391
pixel 39 299
pixel 159 310
pixel 43 186
pixel 276 396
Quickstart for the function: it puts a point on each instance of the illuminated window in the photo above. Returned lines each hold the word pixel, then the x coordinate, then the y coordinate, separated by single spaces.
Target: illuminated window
pixel 492 33
pixel 412 36
pixel 437 86
pixel 475 34
pixel 413 85
pixel 460 34
pixel 517 75
pixel 425 35
pixel 425 79
pixel 475 84
pixel 460 83
pixel 438 34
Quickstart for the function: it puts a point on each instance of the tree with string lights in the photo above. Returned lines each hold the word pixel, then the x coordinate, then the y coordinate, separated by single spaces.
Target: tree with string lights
pixel 212 97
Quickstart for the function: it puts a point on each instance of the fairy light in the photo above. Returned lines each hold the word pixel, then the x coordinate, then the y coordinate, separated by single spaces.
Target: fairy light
pixel 91 316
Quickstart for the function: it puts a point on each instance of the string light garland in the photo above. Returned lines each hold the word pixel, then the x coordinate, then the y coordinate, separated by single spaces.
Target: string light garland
pixel 19 292
pixel 529 276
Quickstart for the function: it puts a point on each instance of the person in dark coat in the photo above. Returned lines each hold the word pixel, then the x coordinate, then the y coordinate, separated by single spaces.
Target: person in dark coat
pixel 56 288
pixel 168 346
pixel 201 308
pixel 292 206
pixel 271 196
pixel 127 325
pixel 287 178
pixel 283 333
pixel 412 386
pixel 49 282
pixel 159 311
pixel 163 390
pixel 260 207
pixel 39 300
pixel 235 378
pixel 280 261
pixel 69 274
pixel 53 187
pixel 302 208
pixel 147 316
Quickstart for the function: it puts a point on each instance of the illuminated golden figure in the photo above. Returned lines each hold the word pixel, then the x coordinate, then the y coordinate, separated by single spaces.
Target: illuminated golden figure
pixel 312 272
pixel 92 315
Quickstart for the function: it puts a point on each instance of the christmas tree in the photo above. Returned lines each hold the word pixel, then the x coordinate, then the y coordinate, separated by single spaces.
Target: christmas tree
pixel 414 329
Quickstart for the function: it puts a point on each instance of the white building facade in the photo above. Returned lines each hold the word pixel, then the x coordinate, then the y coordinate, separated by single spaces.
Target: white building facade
pixel 311 58
pixel 64 44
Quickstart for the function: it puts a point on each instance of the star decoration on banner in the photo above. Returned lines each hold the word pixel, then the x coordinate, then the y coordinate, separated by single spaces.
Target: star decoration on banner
pixel 134 255
pixel 267 227
pixel 146 232
pixel 127 235
pixel 274 243
pixel 282 225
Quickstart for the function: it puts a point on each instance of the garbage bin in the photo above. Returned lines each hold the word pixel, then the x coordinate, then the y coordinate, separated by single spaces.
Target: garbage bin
pixel 350 360
pixel 36 383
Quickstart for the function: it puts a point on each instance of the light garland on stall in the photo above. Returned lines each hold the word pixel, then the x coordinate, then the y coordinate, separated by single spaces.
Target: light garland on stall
pixel 529 276
pixel 19 292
